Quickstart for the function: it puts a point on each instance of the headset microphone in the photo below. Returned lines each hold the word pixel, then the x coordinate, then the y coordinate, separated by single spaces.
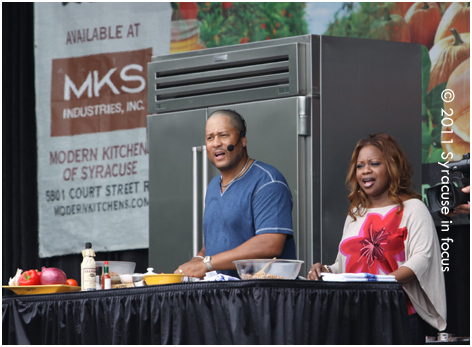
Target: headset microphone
pixel 231 147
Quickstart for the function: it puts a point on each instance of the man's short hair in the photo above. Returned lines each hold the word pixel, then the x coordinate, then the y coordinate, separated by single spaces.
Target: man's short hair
pixel 236 119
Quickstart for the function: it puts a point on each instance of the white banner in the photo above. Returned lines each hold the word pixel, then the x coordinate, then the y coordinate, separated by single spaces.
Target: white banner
pixel 91 106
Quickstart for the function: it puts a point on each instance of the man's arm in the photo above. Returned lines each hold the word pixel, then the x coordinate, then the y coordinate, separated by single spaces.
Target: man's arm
pixel 263 246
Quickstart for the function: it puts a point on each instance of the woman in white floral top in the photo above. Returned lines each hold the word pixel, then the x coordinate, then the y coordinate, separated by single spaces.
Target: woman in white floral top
pixel 389 231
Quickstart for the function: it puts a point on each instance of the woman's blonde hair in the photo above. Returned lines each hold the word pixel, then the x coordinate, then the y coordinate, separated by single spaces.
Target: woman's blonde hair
pixel 398 168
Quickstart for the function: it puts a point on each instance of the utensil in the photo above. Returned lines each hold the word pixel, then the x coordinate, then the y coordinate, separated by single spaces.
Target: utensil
pixel 262 272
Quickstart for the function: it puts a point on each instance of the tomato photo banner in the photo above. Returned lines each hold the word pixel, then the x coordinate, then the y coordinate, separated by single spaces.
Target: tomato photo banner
pixel 442 28
pixel 91 107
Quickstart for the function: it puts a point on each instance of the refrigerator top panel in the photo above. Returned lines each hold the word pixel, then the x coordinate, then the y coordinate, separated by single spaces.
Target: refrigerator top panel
pixel 232 74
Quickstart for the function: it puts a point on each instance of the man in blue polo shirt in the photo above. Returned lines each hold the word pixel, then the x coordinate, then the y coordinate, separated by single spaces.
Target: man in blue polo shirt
pixel 248 207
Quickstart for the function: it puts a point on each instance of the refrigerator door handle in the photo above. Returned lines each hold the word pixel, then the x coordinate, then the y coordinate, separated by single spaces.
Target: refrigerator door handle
pixel 195 151
pixel 204 174
pixel 303 117
pixel 195 201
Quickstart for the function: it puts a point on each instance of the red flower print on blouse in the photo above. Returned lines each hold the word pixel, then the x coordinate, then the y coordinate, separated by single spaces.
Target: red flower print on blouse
pixel 379 245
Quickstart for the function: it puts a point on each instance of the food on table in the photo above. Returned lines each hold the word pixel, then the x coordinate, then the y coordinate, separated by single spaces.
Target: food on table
pixel 30 278
pixel 53 275
pixel 46 277
pixel 71 282
pixel 262 276
pixel 14 281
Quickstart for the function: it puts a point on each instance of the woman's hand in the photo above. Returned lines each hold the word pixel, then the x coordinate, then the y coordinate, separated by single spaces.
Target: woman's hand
pixel 403 274
pixel 315 271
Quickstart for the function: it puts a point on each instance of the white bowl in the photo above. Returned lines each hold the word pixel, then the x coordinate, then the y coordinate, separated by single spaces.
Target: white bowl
pixel 137 277
pixel 126 278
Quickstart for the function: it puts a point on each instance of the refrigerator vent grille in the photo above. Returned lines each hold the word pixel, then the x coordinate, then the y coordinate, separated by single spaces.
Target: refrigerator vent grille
pixel 216 79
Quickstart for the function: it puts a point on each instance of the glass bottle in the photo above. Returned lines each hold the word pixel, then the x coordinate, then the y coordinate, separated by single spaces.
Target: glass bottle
pixel 99 278
pixel 87 269
pixel 106 280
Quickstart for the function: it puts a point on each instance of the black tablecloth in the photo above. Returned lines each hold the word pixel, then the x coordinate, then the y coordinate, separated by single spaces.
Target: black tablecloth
pixel 239 312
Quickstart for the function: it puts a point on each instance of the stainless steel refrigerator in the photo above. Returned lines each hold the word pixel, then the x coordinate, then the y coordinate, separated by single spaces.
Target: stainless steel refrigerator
pixel 307 100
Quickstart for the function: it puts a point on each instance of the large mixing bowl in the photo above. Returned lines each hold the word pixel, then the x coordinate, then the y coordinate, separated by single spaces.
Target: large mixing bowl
pixel 268 268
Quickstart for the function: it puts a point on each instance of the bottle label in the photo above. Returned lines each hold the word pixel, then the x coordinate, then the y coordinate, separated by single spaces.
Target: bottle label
pixel 89 280
pixel 107 283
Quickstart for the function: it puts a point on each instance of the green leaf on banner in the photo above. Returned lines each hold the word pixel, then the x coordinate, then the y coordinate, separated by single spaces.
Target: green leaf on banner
pixel 426 142
pixel 434 103
pixel 436 137
pixel 435 155
pixel 426 136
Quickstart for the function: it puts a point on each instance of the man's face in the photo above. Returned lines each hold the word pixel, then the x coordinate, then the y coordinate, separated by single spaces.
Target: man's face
pixel 219 134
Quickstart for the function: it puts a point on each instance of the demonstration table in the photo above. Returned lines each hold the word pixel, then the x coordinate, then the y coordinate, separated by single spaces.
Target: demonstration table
pixel 236 312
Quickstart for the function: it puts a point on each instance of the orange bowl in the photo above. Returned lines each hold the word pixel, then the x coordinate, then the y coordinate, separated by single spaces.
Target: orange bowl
pixel 162 279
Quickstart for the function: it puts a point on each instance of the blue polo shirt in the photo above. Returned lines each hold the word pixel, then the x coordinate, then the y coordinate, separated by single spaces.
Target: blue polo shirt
pixel 256 203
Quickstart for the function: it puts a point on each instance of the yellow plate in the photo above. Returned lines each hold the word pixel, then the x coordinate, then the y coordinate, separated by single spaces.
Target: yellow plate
pixel 42 289
pixel 162 279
